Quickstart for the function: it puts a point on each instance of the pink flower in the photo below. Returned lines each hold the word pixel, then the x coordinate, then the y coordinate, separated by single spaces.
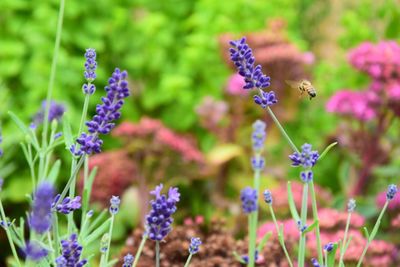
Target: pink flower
pixel 359 105
pixel 235 85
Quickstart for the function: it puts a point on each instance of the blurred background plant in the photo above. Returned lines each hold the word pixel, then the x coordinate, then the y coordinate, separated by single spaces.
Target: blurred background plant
pixel 175 53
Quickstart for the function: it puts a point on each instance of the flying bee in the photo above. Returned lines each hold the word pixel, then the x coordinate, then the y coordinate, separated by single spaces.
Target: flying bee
pixel 304 86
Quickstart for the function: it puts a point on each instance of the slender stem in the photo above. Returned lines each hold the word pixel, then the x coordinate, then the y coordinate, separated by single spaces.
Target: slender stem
pixel 56 234
pixel 139 252
pixel 316 219
pixel 188 260
pixel 373 233
pixel 53 72
pixel 53 252
pixel 303 217
pixel 31 167
pixel 342 251
pixel 275 119
pixel 84 112
pixel 109 238
pixel 70 217
pixel 326 258
pixel 280 237
pixel 254 219
pixel 157 253
pixel 64 192
pixel 6 228
pixel 85 181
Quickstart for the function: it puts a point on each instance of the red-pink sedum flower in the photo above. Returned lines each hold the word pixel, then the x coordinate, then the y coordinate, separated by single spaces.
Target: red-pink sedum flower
pixel 359 105
pixel 380 61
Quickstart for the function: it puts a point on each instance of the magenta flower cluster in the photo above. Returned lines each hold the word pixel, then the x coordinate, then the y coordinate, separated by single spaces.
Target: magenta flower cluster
pixel 381 62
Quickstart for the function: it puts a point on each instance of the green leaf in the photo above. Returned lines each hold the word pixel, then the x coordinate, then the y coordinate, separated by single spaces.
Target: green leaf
pixel 292 205
pixel 19 123
pixel 327 150
pixel 55 169
pixel 112 262
pixel 238 257
pixel 97 233
pixel 264 241
pixel 88 188
pixel 331 256
pixel 67 133
pixel 311 227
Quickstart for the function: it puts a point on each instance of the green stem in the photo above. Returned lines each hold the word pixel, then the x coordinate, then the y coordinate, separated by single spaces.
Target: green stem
pixel 53 251
pixel 64 192
pixel 188 260
pixel 31 167
pixel 56 234
pixel 342 251
pixel 85 180
pixel 139 252
pixel 84 112
pixel 303 217
pixel 109 238
pixel 280 237
pixel 373 233
pixel 52 73
pixel 72 184
pixel 6 228
pixel 275 119
pixel 157 253
pixel 254 219
pixel 316 219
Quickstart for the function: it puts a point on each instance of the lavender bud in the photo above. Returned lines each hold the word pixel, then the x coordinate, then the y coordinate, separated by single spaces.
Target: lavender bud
pixel 71 252
pixel 258 163
pixel 258 136
pixel 114 207
pixel 128 260
pixel 328 247
pixel 351 205
pixel 248 196
pixel 306 158
pixel 195 243
pixel 40 218
pixel 315 262
pixel 306 176
pixel 1 183
pixel 268 197
pixel 104 243
pixel 391 192
pixel 34 251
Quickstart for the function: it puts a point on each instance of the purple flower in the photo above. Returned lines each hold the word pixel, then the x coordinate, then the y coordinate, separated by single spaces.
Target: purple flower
pixel 90 65
pixel 306 176
pixel 248 196
pixel 41 216
pixel 328 247
pixel 242 56
pixel 34 251
pixel 1 183
pixel 5 224
pixel 265 99
pixel 56 112
pixel 258 163
pixel 70 253
pixel 258 135
pixel 351 205
pixel 307 158
pixel 107 112
pixel 159 220
pixel 301 227
pixel 391 192
pixel 67 205
pixel 268 197
pixel 114 204
pixel 195 243
pixel 57 135
pixel 128 260
pixel 315 262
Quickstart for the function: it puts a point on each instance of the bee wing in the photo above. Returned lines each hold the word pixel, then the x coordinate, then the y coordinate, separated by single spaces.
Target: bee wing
pixel 293 84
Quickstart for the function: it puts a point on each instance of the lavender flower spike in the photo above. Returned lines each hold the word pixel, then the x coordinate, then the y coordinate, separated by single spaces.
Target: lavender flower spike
pixel 70 253
pixel 41 216
pixel 258 135
pixel 307 158
pixel 34 251
pixel 248 196
pixel 107 112
pixel 90 71
pixel 195 243
pixel 114 205
pixel 328 247
pixel 68 205
pixel 128 260
pixel 351 205
pixel 56 112
pixel 159 220
pixel 391 192
pixel 268 197
pixel 242 56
